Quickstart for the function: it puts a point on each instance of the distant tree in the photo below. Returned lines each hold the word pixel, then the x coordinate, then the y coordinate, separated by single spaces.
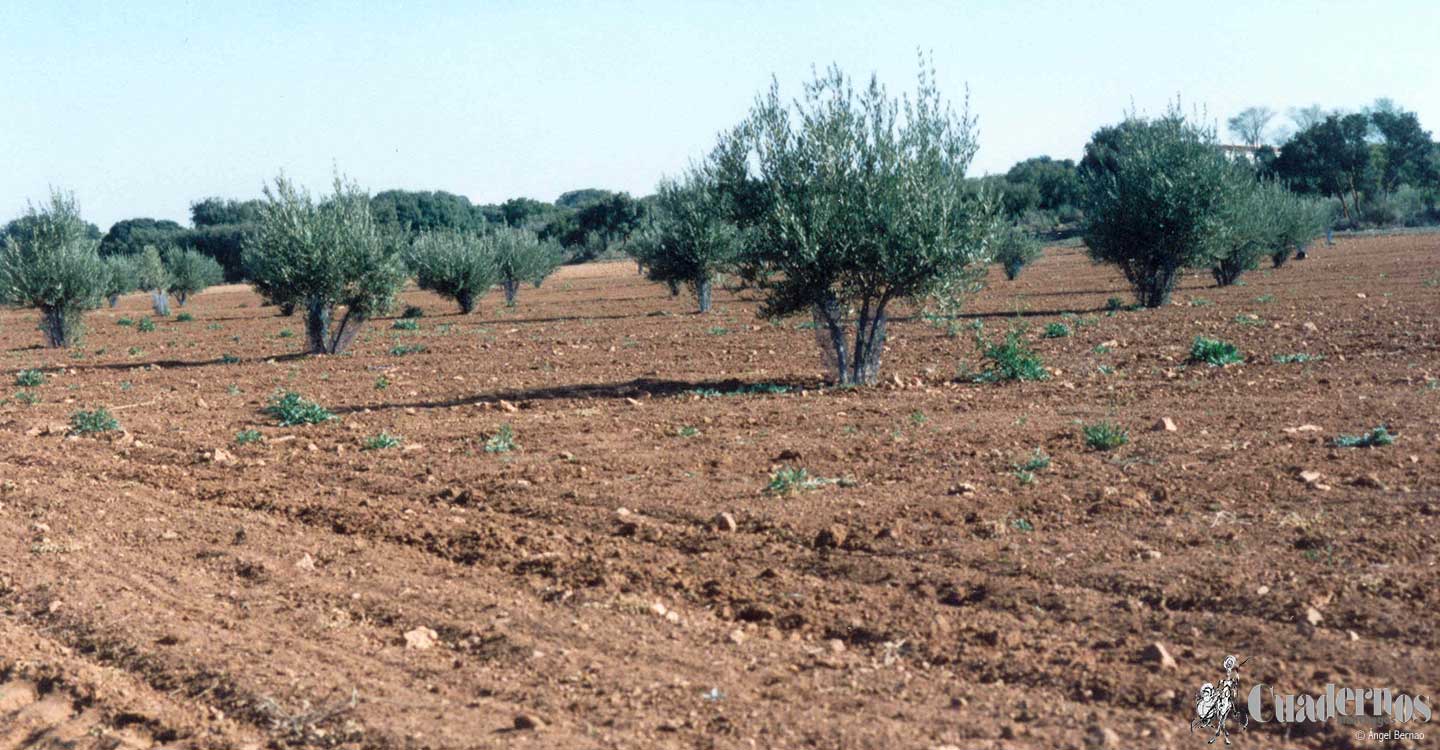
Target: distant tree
pixel 324 256
pixel 211 212
pixel 130 236
pixel 520 256
pixel 454 264
pixel 1014 248
pixel 1151 206
pixel 1102 152
pixel 122 276
pixel 579 199
pixel 865 204
pixel 690 238
pixel 420 211
pixel 190 273
pixel 1308 117
pixel 225 243
pixel 1057 182
pixel 1329 158
pixel 1250 125
pixel 526 213
pixel 612 218
pixel 49 262
pixel 1406 152
pixel 154 277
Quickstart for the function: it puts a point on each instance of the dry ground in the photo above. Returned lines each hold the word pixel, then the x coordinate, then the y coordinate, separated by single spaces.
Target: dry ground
pixel 166 586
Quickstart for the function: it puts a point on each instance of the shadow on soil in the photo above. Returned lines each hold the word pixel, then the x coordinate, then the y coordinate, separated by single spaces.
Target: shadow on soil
pixel 638 388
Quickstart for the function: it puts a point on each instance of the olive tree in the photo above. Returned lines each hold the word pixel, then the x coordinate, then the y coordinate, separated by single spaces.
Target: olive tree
pixel 1298 220
pixel 122 276
pixel 852 201
pixel 50 262
pixel 1014 249
pixel 690 238
pixel 455 264
pixel 191 272
pixel 1152 209
pixel 520 256
pixel 322 256
pixel 154 277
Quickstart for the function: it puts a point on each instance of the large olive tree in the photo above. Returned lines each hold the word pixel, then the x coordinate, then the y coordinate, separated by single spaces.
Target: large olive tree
pixel 1152 208
pixel 852 201
pixel 49 261
pixel 323 256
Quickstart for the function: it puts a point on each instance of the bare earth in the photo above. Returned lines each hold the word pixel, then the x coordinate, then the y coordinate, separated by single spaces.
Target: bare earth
pixel 168 587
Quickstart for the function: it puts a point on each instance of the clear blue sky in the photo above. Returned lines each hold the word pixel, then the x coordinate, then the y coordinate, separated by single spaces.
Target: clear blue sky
pixel 142 106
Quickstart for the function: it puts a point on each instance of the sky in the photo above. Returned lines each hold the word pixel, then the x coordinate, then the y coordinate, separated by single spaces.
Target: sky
pixel 141 107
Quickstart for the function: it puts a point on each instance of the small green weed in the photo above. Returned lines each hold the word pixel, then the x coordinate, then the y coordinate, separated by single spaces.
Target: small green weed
pixel 380 442
pixel 293 409
pixel 400 350
pixel 406 324
pixel 145 325
pixel 1011 359
pixel 787 480
pixel 184 318
pixel 1104 436
pixel 246 437
pixel 1297 358
pixel 1214 352
pixel 126 322
pixel 30 378
pixel 1057 331
pixel 1377 437
pixel 93 422
pixel 503 441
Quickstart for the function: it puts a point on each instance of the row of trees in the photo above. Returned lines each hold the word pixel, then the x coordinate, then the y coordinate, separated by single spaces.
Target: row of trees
pixel 1379 165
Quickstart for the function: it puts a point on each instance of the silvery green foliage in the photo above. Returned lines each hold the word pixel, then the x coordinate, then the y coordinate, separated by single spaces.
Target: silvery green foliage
pixel 122 276
pixel 191 272
pixel 1153 210
pixel 690 238
pixel 521 256
pixel 154 277
pixel 1014 249
pixel 455 264
pixel 852 200
pixel 323 256
pixel 51 265
pixel 1259 219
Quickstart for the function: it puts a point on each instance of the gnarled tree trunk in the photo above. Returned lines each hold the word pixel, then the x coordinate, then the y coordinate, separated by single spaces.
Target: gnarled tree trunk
pixel 160 302
pixel 512 290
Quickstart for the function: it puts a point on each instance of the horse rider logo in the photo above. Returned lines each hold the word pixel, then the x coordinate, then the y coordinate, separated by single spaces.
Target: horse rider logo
pixel 1216 706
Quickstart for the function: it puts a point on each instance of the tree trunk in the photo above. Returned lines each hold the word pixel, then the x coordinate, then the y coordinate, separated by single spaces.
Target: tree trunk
pixel 674 287
pixel 348 329
pixel 830 335
pixel 512 290
pixel 466 300
pixel 869 343
pixel 317 326
pixel 287 309
pixel 114 300
pixel 160 302
pixel 702 293
pixel 180 297
pixel 59 325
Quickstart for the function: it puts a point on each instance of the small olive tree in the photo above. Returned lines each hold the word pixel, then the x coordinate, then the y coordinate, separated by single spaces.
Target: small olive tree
pixel 690 238
pixel 454 264
pixel 520 256
pixel 1260 219
pixel 1298 220
pixel 1152 208
pixel 852 201
pixel 154 277
pixel 122 276
pixel 49 262
pixel 1014 249
pixel 323 256
pixel 191 272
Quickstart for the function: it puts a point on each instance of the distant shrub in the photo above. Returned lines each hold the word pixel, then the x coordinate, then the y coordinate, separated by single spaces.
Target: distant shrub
pixel 405 324
pixel 1057 331
pixel 291 409
pixel 191 272
pixel 454 264
pixel 49 262
pixel 92 422
pixel 1104 436
pixel 1015 248
pixel 29 378
pixel 1214 352
pixel 122 276
pixel 154 277
pixel 145 325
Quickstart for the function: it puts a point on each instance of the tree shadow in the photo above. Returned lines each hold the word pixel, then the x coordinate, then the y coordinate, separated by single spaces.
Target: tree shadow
pixel 177 364
pixel 637 388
